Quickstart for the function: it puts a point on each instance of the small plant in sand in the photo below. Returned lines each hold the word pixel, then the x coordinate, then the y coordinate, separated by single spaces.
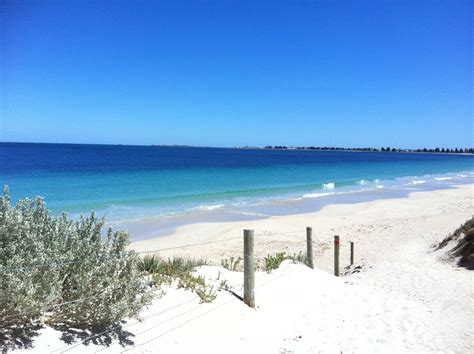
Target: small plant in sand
pixel 299 258
pixel 165 271
pixel 273 261
pixel 198 285
pixel 231 264
pixel 171 266
pixel 224 285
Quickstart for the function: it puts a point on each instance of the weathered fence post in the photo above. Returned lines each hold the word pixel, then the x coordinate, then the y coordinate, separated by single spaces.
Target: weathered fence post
pixel 336 256
pixel 309 247
pixel 352 253
pixel 249 271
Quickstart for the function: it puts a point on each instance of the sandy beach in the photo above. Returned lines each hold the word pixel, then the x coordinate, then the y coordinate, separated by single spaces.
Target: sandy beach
pixel 375 227
pixel 145 146
pixel 405 297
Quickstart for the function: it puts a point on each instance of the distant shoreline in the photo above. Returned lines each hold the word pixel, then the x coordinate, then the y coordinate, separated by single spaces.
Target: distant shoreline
pixel 268 148
pixel 407 151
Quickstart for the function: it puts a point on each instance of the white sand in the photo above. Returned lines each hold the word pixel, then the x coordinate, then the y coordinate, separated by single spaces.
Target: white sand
pixel 404 299
pixel 375 227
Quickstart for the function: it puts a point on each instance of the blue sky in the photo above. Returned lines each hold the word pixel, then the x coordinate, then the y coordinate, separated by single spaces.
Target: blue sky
pixel 227 73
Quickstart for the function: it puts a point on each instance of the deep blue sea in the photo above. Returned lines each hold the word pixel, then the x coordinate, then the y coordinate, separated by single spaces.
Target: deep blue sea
pixel 130 183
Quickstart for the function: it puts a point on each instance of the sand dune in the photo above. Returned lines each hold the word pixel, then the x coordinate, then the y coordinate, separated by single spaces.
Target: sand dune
pixel 405 297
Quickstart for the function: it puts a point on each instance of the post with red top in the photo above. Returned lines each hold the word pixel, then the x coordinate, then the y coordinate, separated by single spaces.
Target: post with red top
pixel 336 256
pixel 249 270
pixel 352 253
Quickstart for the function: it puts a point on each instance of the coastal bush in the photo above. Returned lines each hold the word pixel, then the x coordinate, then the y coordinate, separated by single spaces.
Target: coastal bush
pixel 65 271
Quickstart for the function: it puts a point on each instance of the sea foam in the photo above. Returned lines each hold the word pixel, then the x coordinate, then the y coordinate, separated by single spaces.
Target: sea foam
pixel 315 195
pixel 329 185
pixel 209 207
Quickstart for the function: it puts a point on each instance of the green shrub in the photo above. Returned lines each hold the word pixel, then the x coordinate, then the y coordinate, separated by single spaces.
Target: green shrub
pixel 65 270
pixel 273 262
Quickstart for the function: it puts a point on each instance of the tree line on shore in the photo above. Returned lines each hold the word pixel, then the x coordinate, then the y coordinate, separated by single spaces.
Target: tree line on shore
pixel 383 149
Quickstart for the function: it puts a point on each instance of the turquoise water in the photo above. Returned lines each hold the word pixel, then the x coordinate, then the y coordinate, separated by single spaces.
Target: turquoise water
pixel 138 182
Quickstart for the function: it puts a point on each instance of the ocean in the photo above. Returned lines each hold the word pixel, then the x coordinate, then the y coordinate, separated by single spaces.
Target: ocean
pixel 159 187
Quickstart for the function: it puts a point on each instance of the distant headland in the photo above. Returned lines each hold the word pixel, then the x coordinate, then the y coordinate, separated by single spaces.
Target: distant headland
pixel 365 149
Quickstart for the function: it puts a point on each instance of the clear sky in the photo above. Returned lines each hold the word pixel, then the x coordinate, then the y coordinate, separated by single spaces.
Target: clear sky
pixel 227 73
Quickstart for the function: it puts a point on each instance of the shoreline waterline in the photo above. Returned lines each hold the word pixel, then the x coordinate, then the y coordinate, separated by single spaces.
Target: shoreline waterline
pixel 158 226
pixel 287 232
pixel 165 227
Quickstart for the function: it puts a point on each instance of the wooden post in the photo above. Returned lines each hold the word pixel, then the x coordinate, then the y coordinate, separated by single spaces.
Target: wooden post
pixel 249 271
pixel 352 253
pixel 309 247
pixel 336 256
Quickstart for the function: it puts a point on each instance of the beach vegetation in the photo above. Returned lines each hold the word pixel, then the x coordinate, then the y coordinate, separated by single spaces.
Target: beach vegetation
pixel 178 269
pixel 299 258
pixel 231 263
pixel 65 271
pixel 153 264
pixel 462 244
pixel 224 285
pixel 273 261
pixel 198 285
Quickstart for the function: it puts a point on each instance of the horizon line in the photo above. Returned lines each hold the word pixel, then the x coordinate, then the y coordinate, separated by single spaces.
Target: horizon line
pixel 250 147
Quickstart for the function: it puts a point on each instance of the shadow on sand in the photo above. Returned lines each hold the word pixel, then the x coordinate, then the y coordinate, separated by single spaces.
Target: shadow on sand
pixel 18 337
pixel 23 337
